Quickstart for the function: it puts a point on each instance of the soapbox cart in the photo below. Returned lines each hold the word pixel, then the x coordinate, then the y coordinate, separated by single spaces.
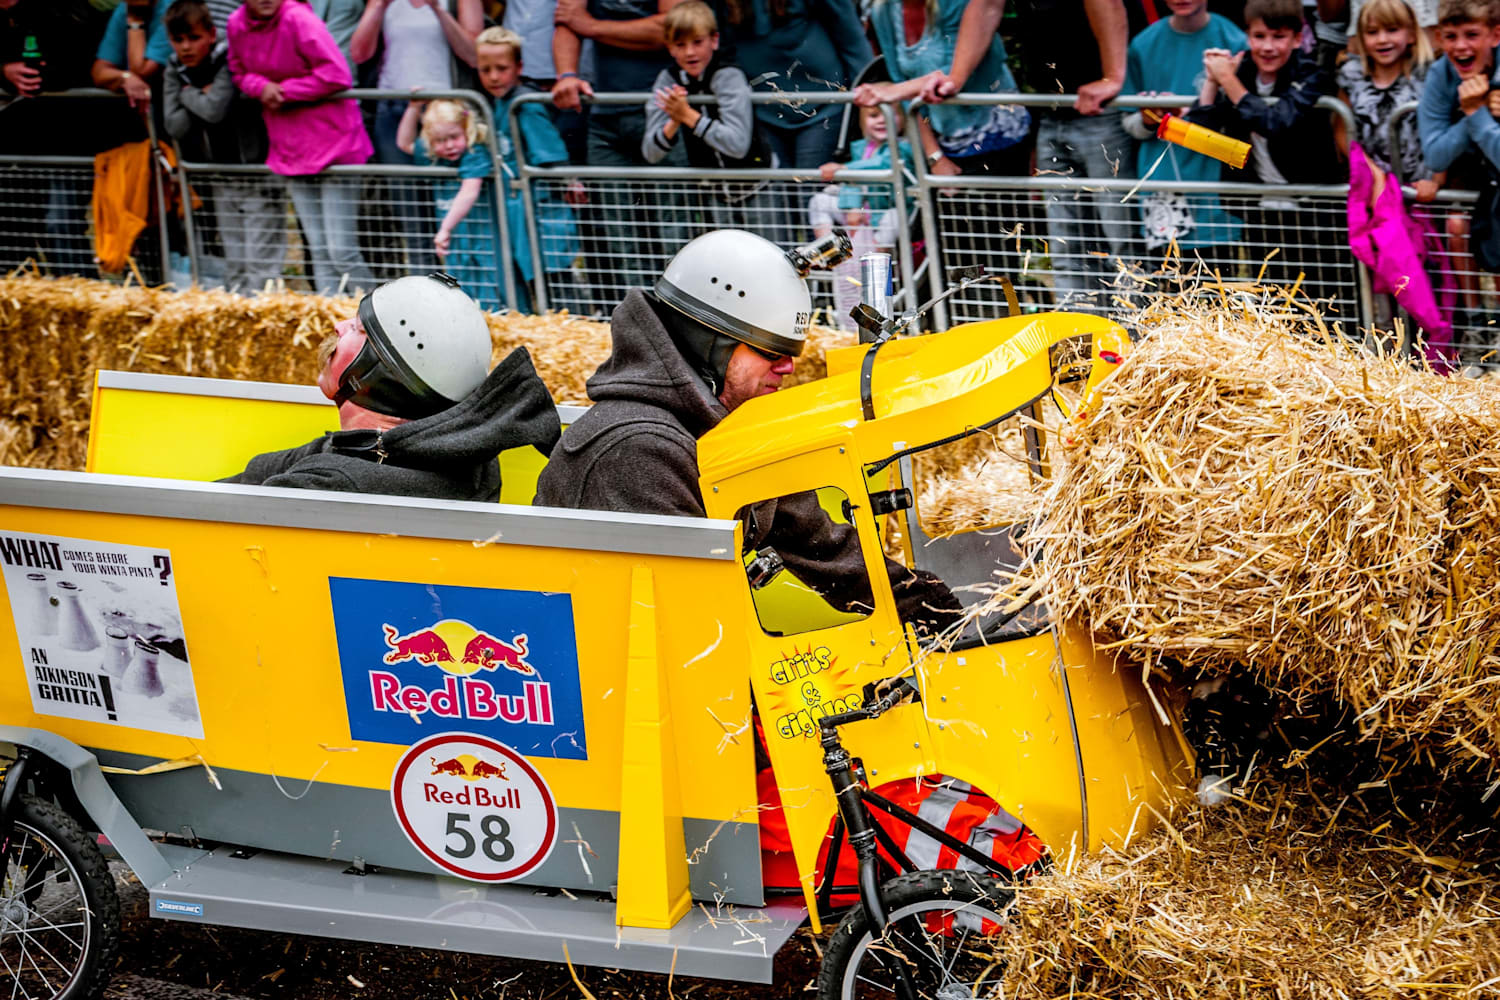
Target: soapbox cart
pixel 526 732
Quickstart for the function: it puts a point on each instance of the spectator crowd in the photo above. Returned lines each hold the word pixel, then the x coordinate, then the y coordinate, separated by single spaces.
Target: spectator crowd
pixel 255 82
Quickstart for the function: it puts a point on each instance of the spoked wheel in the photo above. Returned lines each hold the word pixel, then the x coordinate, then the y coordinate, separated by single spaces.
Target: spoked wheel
pixel 59 917
pixel 937 936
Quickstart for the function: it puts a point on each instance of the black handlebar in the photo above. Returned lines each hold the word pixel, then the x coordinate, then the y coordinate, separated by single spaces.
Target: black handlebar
pixel 898 690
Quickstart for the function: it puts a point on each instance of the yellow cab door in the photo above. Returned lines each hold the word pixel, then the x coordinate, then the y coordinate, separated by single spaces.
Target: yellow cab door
pixel 809 660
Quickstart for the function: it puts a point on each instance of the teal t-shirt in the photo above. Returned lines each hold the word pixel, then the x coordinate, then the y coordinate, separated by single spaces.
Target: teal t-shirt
pixel 961 130
pixel 544 146
pixel 1167 61
pixel 112 45
pixel 868 155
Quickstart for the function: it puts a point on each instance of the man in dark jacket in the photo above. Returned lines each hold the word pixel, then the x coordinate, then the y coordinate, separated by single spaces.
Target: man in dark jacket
pixel 418 415
pixel 722 326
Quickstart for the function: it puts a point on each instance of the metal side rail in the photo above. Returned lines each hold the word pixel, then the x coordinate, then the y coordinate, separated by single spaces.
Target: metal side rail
pixel 293 894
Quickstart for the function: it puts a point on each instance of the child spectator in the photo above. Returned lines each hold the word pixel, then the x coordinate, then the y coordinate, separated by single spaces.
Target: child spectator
pixel 1456 122
pixel 1387 65
pixel 499 55
pixel 716 135
pixel 1389 58
pixel 866 212
pixel 1167 58
pixel 453 136
pixel 1291 142
pixel 212 123
pixel 1424 15
pixel 282 55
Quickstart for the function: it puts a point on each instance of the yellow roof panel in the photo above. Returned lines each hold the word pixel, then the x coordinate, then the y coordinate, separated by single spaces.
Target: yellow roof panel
pixel 925 389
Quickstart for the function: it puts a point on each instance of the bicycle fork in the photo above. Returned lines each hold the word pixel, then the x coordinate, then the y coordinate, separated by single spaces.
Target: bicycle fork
pixel 846 773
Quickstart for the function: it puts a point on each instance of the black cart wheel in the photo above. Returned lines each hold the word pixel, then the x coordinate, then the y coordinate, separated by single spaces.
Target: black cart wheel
pixel 939 921
pixel 59 916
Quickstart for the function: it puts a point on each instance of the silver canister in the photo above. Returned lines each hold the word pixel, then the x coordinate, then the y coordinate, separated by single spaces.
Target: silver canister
pixel 875 282
pixel 77 631
pixel 144 676
pixel 41 604
pixel 117 650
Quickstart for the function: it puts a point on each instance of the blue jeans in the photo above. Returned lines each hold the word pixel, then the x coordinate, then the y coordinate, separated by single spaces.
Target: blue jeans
pixel 252 226
pixel 806 148
pixel 632 227
pixel 326 207
pixel 1082 224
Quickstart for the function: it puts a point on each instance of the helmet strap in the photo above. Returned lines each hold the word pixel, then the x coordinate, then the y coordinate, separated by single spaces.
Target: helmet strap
pixel 706 350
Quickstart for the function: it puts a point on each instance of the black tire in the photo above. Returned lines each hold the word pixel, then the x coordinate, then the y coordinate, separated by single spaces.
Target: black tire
pixel 951 965
pixel 59 916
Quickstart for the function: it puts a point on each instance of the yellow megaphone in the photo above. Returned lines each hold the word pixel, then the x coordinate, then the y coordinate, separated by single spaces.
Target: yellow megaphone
pixel 1203 140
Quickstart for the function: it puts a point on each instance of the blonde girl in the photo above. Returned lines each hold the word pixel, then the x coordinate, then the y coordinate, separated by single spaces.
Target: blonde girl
pixel 452 135
pixel 1388 62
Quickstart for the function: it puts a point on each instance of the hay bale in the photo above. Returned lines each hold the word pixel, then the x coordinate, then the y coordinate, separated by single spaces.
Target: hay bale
pixel 1248 496
pixel 1276 896
pixel 55 333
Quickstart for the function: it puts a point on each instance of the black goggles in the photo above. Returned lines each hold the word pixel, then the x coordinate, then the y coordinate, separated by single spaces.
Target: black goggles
pixel 770 356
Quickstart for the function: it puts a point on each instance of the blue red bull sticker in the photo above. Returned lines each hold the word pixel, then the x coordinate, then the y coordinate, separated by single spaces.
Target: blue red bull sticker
pixel 419 657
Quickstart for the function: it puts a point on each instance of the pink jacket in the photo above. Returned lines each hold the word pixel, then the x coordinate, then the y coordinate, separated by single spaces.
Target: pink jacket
pixel 295 50
pixel 1390 243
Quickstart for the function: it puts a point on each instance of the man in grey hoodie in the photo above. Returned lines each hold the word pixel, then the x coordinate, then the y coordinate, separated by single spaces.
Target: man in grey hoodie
pixel 418 416
pixel 684 356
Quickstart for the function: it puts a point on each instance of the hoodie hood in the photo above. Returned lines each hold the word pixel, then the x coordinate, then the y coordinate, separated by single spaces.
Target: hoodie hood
pixel 646 365
pixel 256 24
pixel 510 409
pixel 452 455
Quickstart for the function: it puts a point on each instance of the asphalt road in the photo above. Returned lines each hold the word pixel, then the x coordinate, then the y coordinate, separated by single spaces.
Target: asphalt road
pixel 174 960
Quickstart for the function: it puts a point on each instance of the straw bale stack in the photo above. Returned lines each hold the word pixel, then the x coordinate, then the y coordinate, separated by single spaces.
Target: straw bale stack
pixel 54 334
pixel 1249 496
pixel 1282 895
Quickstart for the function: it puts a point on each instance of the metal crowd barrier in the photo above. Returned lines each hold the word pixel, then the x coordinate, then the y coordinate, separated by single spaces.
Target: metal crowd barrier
pixel 241 211
pixel 594 231
pixel 1469 294
pixel 1241 230
pixel 630 220
pixel 636 216
pixel 46 215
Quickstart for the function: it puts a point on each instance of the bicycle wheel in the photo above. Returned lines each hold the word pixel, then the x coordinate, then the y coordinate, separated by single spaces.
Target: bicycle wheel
pixel 59 916
pixel 939 921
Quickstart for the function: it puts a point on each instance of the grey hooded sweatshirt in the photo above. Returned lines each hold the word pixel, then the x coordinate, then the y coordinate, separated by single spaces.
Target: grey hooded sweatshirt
pixel 452 455
pixel 636 450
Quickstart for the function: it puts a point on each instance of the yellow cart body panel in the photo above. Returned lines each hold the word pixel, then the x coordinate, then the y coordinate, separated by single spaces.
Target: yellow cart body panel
pixel 291 740
pixel 1004 715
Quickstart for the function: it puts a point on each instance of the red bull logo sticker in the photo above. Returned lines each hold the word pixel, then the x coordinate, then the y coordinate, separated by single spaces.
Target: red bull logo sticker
pixel 474 807
pixel 502 663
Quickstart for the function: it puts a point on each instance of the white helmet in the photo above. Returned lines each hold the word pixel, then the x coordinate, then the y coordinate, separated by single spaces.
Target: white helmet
pixel 744 286
pixel 427 346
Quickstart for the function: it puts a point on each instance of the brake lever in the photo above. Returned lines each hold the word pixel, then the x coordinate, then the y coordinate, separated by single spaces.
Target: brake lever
pixel 898 691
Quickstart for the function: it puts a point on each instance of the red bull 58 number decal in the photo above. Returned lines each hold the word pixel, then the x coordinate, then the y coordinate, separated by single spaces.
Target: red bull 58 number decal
pixel 500 663
pixel 474 807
